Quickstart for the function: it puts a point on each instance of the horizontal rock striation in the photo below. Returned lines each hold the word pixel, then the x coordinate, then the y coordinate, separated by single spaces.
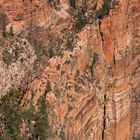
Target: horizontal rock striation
pixel 92 79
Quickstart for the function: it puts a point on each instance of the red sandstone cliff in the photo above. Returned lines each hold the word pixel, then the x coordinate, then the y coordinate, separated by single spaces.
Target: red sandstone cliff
pixel 94 75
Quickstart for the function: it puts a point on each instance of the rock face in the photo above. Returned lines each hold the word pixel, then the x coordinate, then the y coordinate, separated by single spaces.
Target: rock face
pixel 95 73
pixel 17 58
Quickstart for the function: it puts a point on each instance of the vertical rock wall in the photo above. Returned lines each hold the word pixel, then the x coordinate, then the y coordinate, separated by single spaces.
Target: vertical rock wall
pixel 95 86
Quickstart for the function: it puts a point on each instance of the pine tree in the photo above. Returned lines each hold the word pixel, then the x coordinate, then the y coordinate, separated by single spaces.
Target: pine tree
pixel 42 128
pixel 11 114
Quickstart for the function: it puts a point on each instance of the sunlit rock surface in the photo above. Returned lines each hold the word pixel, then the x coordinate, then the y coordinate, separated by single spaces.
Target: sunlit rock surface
pixel 94 74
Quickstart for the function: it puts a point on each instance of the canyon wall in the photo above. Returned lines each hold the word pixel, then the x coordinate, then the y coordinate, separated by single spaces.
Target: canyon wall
pixel 93 74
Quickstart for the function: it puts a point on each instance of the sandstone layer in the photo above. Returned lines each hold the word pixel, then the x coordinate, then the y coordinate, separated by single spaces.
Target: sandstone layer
pixel 94 73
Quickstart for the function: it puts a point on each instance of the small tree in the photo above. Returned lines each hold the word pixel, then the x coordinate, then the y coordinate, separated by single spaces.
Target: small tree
pixel 11 31
pixel 4 19
pixel 42 129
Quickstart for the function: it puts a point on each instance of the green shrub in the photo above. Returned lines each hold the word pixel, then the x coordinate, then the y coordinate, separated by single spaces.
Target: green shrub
pixel 58 67
pixel 48 87
pixel 73 3
pixel 80 22
pixel 95 58
pixel 54 3
pixel 51 53
pixel 7 57
pixel 136 138
pixel 70 43
pixel 137 99
pixel 101 13
pixel 62 135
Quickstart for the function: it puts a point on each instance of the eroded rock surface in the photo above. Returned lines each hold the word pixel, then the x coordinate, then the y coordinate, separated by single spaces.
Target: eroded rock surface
pixel 94 73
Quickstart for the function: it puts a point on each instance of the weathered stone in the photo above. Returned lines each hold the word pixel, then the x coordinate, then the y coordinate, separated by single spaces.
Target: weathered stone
pixel 94 75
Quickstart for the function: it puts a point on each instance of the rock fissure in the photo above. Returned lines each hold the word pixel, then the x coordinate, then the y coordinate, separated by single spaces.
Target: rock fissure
pixel 104 119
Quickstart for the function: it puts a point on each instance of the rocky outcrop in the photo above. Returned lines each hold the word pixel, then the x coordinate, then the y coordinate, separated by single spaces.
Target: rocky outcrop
pixel 16 62
pixel 19 61
pixel 94 76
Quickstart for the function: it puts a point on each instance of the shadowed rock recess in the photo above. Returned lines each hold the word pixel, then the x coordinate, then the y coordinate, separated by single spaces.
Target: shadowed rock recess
pixel 69 70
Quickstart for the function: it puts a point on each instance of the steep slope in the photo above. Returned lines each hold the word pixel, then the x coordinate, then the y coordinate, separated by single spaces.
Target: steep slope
pixel 91 79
